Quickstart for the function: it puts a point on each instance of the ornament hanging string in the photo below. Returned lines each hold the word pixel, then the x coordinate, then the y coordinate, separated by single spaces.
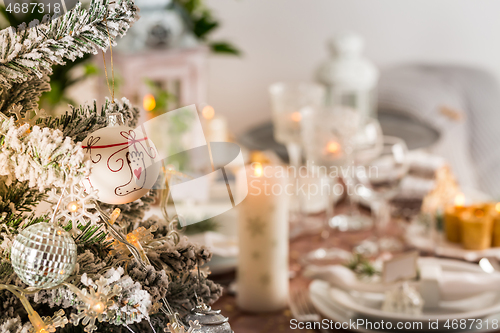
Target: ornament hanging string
pixel 111 90
pixel 63 190
pixel 53 218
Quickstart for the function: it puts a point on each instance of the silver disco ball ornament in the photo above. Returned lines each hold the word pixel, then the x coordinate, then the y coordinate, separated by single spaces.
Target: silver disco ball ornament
pixel 43 255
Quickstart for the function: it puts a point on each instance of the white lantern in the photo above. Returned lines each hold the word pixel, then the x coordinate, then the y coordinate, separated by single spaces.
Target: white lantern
pixel 349 78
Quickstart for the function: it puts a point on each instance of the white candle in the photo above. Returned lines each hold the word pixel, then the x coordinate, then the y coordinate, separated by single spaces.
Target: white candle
pixel 262 283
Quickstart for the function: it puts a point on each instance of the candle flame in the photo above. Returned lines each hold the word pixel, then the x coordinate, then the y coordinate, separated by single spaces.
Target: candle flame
pixel 497 207
pixel 208 112
pixel 149 102
pixel 296 117
pixel 333 147
pixel 258 170
pixel 460 200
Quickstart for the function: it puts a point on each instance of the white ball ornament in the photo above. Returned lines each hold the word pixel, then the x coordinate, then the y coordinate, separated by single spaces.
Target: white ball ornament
pixel 123 162
pixel 43 255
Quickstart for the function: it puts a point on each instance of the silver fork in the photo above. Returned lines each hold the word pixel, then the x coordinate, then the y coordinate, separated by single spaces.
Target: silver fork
pixel 302 308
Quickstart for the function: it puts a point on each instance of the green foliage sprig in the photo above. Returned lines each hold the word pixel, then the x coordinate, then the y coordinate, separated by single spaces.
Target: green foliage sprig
pixel 202 23
pixel 362 266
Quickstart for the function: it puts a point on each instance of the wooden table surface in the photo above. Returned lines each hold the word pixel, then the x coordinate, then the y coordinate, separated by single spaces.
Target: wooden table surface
pixel 244 322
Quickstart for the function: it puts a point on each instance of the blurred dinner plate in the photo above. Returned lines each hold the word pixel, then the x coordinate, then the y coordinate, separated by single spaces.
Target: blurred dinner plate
pixel 318 292
pixel 342 305
pixel 328 307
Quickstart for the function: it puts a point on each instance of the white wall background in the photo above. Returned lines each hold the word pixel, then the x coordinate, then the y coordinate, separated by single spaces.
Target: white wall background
pixel 285 40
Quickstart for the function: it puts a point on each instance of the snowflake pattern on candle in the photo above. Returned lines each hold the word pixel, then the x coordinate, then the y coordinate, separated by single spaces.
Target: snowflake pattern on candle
pixel 256 226
pixel 265 279
pixel 256 255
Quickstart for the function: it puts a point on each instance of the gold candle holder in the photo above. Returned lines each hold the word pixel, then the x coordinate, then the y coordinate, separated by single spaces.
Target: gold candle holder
pixel 476 229
pixel 495 214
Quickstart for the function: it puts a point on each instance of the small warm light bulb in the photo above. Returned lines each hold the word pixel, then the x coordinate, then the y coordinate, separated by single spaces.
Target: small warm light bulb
pixel 73 206
pixel 208 112
pixel 333 147
pixel 258 170
pixel 296 117
pixel 114 215
pixel 460 200
pixel 98 307
pixel 149 102
pixel 131 238
pixel 38 325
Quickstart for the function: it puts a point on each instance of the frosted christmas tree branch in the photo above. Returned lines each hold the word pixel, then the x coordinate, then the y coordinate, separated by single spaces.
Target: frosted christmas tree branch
pixel 41 156
pixel 33 51
pixel 28 53
pixel 25 94
pixel 85 119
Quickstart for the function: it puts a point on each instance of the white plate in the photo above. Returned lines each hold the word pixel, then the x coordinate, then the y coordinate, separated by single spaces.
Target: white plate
pixel 417 237
pixel 318 292
pixel 369 305
pixel 328 308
